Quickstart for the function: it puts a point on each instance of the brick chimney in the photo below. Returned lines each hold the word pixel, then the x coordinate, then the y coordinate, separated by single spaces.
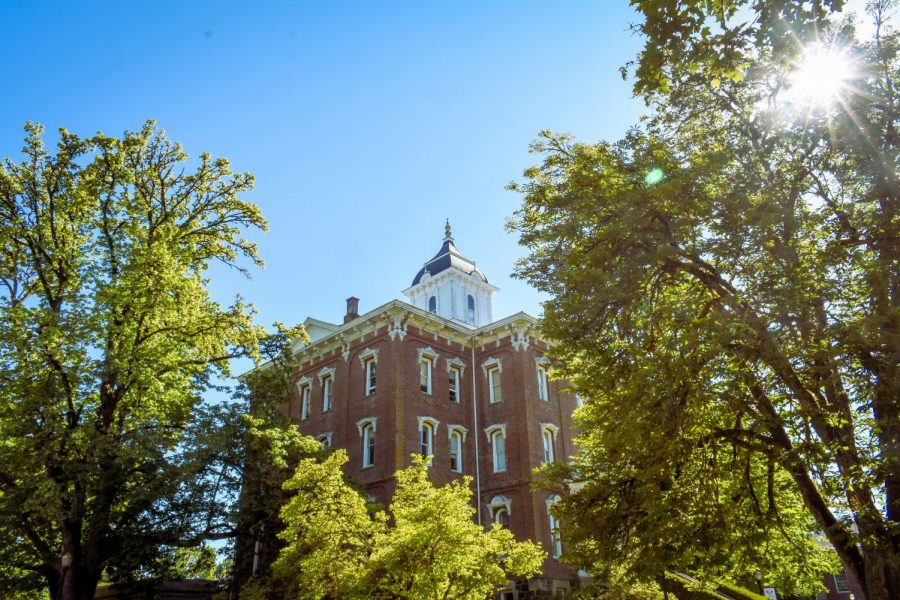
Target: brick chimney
pixel 352 309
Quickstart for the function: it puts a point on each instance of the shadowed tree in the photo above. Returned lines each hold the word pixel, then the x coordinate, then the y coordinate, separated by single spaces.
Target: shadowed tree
pixel 725 285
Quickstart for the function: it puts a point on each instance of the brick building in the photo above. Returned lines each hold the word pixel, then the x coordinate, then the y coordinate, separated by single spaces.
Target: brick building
pixel 437 375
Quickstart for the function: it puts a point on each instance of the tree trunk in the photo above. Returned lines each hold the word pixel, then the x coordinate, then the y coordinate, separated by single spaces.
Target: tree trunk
pixel 78 584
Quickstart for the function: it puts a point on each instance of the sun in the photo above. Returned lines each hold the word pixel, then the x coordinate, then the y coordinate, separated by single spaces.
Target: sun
pixel 819 76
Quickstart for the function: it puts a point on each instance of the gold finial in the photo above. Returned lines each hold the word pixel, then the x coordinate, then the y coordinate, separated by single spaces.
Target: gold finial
pixel 447 234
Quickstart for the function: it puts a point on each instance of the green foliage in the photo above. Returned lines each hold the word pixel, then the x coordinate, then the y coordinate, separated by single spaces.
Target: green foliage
pixel 108 337
pixel 271 448
pixel 734 326
pixel 432 549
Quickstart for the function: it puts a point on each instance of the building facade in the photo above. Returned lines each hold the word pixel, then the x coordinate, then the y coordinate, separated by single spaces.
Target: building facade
pixel 438 376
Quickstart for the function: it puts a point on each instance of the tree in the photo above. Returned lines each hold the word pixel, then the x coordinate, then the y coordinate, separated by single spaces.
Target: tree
pixel 725 286
pixel 109 337
pixel 272 447
pixel 433 549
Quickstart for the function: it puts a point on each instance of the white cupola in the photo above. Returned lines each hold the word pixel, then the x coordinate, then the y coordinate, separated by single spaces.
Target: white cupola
pixel 451 286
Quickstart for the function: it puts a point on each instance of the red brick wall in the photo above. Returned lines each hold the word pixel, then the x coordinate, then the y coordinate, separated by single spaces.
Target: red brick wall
pixel 398 402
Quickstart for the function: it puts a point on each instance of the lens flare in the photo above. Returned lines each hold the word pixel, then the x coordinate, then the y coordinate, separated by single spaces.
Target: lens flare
pixel 820 75
pixel 654 176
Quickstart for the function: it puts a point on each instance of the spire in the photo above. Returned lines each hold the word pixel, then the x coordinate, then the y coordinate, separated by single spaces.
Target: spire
pixel 447 234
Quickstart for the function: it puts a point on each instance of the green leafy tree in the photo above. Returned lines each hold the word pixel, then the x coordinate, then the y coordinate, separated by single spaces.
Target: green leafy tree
pixel 271 450
pixel 725 286
pixel 108 337
pixel 432 549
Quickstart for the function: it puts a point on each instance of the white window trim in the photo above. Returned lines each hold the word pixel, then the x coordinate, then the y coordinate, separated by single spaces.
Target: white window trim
pixel 490 363
pixel 366 354
pixel 499 501
pixel 551 428
pixel 325 372
pixel 373 421
pixel 456 363
pixel 325 439
pixel 457 428
pixel 490 432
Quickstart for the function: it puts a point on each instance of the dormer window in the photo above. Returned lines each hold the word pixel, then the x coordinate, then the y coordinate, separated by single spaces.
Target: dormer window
pixel 432 304
pixel 470 309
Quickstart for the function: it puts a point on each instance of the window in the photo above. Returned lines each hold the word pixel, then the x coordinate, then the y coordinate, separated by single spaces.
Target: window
pixel 500 508
pixel 506 595
pixel 432 304
pixel 368 358
pixel 455 368
pixel 492 369
pixel 370 377
pixel 555 540
pixel 470 309
pixel 496 435
pixel 427 427
pixel 366 429
pixel 453 384
pixel 326 378
pixel 457 438
pixel 841 583
pixel 548 445
pixel 541 364
pixel 548 438
pixel 542 384
pixel 425 375
pixel 427 358
pixel 304 385
pixel 325 440
pixel 326 393
pixel 496 390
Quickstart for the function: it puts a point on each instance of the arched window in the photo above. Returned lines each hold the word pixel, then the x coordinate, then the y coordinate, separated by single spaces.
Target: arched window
pixel 427 427
pixel 500 508
pixel 555 540
pixel 304 387
pixel 457 437
pixel 547 435
pixel 470 309
pixel 366 429
pixel 548 439
pixel 432 304
pixel 427 360
pixel 496 435
pixel 326 378
pixel 541 363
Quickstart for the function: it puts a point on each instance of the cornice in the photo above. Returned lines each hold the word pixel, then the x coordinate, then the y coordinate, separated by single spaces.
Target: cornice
pixel 397 316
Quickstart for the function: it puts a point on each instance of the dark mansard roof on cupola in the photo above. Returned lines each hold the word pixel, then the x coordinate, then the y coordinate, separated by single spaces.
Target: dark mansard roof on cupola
pixel 449 257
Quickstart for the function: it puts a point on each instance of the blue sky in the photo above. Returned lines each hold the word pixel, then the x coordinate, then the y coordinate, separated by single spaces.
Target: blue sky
pixel 366 124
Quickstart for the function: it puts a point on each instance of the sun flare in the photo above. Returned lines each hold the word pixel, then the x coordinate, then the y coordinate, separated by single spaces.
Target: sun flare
pixel 819 76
